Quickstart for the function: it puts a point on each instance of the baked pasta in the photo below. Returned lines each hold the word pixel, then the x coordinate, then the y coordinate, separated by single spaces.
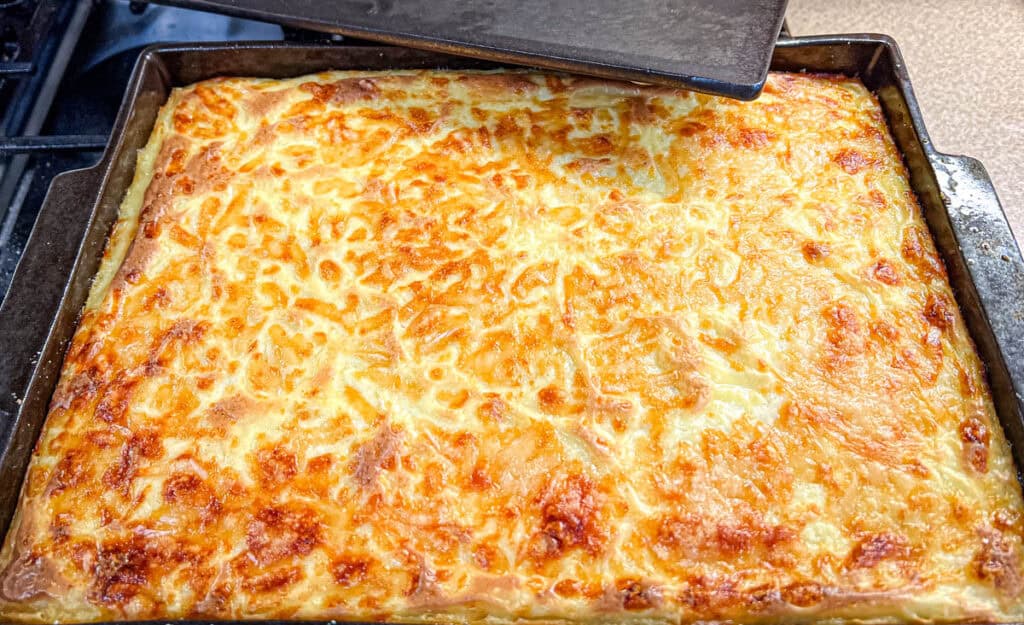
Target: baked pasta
pixel 429 346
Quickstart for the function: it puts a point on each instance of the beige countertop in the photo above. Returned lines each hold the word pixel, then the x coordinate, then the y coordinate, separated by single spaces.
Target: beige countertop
pixel 966 62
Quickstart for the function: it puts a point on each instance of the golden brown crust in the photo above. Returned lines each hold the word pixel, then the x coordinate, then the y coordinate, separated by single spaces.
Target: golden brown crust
pixel 432 346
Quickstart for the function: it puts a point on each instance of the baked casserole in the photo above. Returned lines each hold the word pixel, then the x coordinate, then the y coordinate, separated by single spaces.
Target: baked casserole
pixel 499 347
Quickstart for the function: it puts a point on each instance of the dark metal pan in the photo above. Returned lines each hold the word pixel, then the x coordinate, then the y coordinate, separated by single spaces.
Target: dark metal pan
pixel 49 288
pixel 717 46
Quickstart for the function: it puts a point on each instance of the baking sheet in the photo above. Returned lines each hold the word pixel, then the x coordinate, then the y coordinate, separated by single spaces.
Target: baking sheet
pixel 39 315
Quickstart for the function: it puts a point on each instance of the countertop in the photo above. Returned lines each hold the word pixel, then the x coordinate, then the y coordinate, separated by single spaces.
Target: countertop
pixel 966 62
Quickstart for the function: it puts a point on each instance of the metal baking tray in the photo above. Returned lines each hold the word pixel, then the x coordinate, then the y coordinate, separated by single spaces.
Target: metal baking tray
pixel 49 288
pixel 716 46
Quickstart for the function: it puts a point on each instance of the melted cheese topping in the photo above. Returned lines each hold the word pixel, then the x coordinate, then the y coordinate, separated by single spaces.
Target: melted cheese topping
pixel 469 347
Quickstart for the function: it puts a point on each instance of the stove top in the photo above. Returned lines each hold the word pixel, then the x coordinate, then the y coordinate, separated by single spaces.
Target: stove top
pixel 64 66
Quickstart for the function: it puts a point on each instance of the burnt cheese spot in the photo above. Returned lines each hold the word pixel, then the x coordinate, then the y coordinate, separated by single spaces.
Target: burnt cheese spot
pixel 176 162
pixel 493 409
pixel 636 594
pixel 885 272
pixel 72 469
pixel 690 129
pixel 319 464
pixel 763 598
pixel 1007 520
pixel 350 571
pixel 997 561
pixel 273 581
pixel 74 392
pixel 275 465
pixel 122 570
pixel 115 400
pixel 553 400
pixel 884 331
pixel 423 578
pixel 754 138
pixel 230 410
pixel 498 86
pixel 844 335
pixel 693 537
pixel 852 161
pixel 183 487
pixel 479 479
pixel 140 447
pixel 938 312
pixel 917 250
pixel 871 550
pixel 344 91
pixel 712 596
pixel 275 533
pixel 184 185
pixel 733 538
pixel 975 438
pixel 376 454
pixel 484 556
pixel 189 492
pixel 803 594
pixel 30 575
pixel 570 518
pixel 261 104
pixel 181 334
pixel 641 111
pixel 330 271
pixel 814 251
pixel 568 588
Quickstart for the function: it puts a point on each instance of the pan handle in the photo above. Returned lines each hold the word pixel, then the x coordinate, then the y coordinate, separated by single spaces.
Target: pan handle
pixel 41 281
pixel 993 261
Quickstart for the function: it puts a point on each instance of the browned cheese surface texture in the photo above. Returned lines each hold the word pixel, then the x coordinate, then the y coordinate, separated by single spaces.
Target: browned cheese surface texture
pixel 496 347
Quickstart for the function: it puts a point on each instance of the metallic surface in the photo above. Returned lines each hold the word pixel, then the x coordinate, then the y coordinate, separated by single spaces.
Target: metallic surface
pixel 25 34
pixel 39 315
pixel 30 104
pixel 37 143
pixel 716 46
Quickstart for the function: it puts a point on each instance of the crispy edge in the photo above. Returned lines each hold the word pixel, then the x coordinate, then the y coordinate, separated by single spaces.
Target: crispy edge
pixel 50 607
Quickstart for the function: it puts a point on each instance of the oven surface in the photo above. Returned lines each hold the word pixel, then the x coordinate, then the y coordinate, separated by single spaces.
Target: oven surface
pixel 49 288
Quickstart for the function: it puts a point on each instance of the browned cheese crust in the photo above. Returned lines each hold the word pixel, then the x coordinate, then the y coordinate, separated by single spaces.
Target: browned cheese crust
pixel 470 347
